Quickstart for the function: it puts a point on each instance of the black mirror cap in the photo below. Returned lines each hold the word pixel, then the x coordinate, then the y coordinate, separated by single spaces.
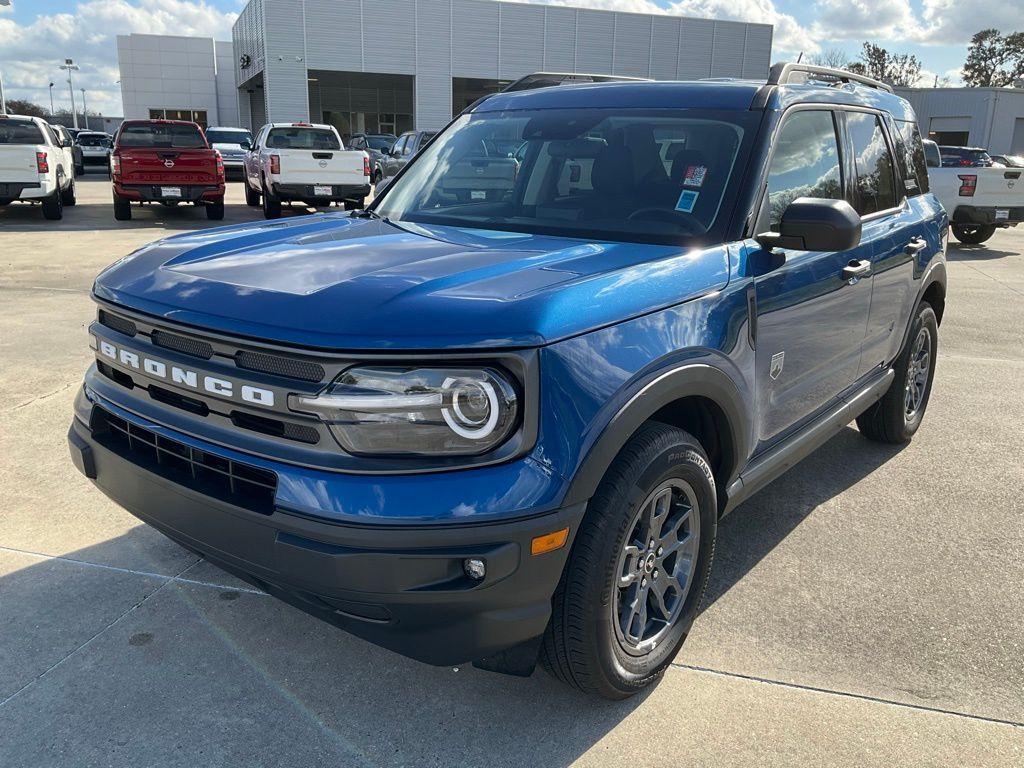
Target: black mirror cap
pixel 815 224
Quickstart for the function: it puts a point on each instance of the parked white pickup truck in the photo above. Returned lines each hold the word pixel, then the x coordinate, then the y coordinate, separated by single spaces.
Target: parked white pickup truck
pixel 35 166
pixel 979 200
pixel 304 162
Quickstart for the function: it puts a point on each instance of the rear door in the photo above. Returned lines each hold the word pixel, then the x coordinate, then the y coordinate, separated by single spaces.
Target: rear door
pixel 810 315
pixel 894 230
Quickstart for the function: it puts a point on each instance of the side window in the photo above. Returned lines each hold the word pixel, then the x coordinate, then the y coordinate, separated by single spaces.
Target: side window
pixel 410 145
pixel 913 147
pixel 399 148
pixel 873 163
pixel 805 162
pixel 52 135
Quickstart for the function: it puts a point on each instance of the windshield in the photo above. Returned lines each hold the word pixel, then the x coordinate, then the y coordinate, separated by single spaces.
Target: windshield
pixel 20 132
pixel 634 175
pixel 161 136
pixel 237 138
pixel 93 140
pixel 302 138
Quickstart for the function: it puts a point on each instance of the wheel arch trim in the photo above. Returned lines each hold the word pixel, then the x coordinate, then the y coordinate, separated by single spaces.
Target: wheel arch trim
pixel 653 393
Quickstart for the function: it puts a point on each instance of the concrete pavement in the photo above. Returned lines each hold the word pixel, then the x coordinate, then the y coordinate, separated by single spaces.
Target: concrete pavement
pixel 865 609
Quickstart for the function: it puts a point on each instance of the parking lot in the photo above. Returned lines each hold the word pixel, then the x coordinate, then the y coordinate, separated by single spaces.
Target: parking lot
pixel 864 609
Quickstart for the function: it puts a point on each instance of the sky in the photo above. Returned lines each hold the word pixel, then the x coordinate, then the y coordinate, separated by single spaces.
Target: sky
pixel 37 35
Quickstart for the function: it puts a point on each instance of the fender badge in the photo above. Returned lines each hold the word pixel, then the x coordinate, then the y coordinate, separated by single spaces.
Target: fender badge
pixel 778 359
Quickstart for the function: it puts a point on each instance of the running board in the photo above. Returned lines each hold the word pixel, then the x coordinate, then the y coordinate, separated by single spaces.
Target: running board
pixel 778 460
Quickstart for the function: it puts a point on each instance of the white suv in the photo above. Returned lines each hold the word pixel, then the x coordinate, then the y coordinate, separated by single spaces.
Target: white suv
pixel 35 165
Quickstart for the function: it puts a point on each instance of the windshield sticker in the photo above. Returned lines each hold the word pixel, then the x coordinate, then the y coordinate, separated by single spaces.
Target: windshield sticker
pixel 694 176
pixel 687 200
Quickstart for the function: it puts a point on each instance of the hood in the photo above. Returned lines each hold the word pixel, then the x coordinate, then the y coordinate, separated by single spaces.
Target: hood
pixel 334 282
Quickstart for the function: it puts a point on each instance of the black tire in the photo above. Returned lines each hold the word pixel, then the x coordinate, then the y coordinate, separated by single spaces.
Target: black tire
pixel 122 208
pixel 973 234
pixel 68 198
pixel 79 170
pixel 252 197
pixel 215 210
pixel 53 206
pixel 377 177
pixel 896 417
pixel 271 203
pixel 584 644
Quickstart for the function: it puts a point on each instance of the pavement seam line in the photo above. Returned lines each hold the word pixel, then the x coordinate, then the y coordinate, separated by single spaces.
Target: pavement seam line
pixel 48 670
pixel 149 574
pixel 848 695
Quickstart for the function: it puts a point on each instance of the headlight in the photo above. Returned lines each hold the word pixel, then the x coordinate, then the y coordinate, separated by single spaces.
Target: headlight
pixel 416 411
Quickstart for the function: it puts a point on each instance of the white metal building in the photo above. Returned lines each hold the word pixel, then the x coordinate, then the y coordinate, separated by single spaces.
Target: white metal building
pixel 394 65
pixel 182 78
pixel 990 118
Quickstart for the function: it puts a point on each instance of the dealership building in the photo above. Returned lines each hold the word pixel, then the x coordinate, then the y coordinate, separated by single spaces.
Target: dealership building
pixel 394 65
pixel 990 118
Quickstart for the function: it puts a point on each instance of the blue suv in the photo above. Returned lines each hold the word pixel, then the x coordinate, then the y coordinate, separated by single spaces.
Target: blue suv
pixel 497 415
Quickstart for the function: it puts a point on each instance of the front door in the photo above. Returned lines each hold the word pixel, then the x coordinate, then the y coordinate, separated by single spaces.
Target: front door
pixel 811 316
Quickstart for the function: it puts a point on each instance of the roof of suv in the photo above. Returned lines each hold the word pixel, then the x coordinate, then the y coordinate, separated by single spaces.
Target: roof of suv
pixel 705 94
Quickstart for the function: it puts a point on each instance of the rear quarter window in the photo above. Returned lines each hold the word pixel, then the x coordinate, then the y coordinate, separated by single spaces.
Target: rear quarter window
pixel 914 165
pixel 20 132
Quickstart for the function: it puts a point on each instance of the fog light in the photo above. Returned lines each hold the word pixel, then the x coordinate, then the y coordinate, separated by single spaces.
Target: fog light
pixel 474 568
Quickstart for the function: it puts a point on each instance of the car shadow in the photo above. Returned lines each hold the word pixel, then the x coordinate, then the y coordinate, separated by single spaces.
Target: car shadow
pixel 962 252
pixel 245 652
pixel 758 525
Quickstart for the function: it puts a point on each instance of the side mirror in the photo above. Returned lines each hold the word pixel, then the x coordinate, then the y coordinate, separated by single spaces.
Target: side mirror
pixel 815 224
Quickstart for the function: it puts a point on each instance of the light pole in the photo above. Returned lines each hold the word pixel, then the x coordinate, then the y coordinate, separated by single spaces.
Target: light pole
pixel 70 66
pixel 51 98
pixel 85 109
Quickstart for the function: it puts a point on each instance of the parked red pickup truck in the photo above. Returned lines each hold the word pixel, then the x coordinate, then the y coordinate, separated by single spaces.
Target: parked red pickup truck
pixel 167 162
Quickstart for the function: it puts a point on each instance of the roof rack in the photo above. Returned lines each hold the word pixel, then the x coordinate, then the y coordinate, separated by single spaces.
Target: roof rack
pixel 783 73
pixel 548 79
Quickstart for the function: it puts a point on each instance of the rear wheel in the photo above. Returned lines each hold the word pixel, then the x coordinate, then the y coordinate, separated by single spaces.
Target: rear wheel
pixel 215 210
pixel 973 234
pixel 53 206
pixel 638 567
pixel 68 195
pixel 122 208
pixel 271 203
pixel 252 197
pixel 896 417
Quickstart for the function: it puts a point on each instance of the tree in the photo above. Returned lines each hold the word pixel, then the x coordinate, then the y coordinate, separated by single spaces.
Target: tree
pixel 831 57
pixel 19 107
pixel 994 60
pixel 900 69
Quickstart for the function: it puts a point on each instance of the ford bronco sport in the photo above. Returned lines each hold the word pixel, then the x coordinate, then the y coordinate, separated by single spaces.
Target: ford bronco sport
pixel 497 415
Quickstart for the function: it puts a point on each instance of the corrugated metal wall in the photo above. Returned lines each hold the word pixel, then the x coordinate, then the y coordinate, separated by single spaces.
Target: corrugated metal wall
pixel 435 40
pixel 988 114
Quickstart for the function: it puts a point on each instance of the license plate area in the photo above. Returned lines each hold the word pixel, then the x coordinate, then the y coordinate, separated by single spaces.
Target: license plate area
pixel 1002 214
pixel 170 191
pixel 321 190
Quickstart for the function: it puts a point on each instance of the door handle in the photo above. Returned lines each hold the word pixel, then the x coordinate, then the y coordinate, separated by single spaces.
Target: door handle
pixel 855 270
pixel 916 245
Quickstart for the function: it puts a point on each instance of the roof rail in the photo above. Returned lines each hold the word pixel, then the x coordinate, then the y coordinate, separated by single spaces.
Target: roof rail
pixel 548 79
pixel 784 72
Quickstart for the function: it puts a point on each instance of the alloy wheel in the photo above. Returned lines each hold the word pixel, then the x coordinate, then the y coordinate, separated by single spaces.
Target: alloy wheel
pixel 918 370
pixel 656 567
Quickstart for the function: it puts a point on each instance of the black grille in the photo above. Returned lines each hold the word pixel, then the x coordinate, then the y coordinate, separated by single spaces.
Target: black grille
pixel 183 344
pixel 280 366
pixel 289 430
pixel 119 324
pixel 231 481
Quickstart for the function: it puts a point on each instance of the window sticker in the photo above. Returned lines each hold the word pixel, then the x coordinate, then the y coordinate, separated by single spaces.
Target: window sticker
pixel 694 176
pixel 687 200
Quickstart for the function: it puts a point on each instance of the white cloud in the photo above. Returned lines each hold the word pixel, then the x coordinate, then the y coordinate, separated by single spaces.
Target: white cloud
pixel 955 21
pixel 30 53
pixel 862 19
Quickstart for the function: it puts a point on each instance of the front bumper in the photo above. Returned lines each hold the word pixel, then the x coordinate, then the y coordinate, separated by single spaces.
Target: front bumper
pixel 400 587
pixel 339 192
pixel 984 215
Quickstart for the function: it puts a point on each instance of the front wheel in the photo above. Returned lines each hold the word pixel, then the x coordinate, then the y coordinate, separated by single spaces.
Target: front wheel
pixel 896 417
pixel 252 197
pixel 68 197
pixel 637 571
pixel 271 203
pixel 973 234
